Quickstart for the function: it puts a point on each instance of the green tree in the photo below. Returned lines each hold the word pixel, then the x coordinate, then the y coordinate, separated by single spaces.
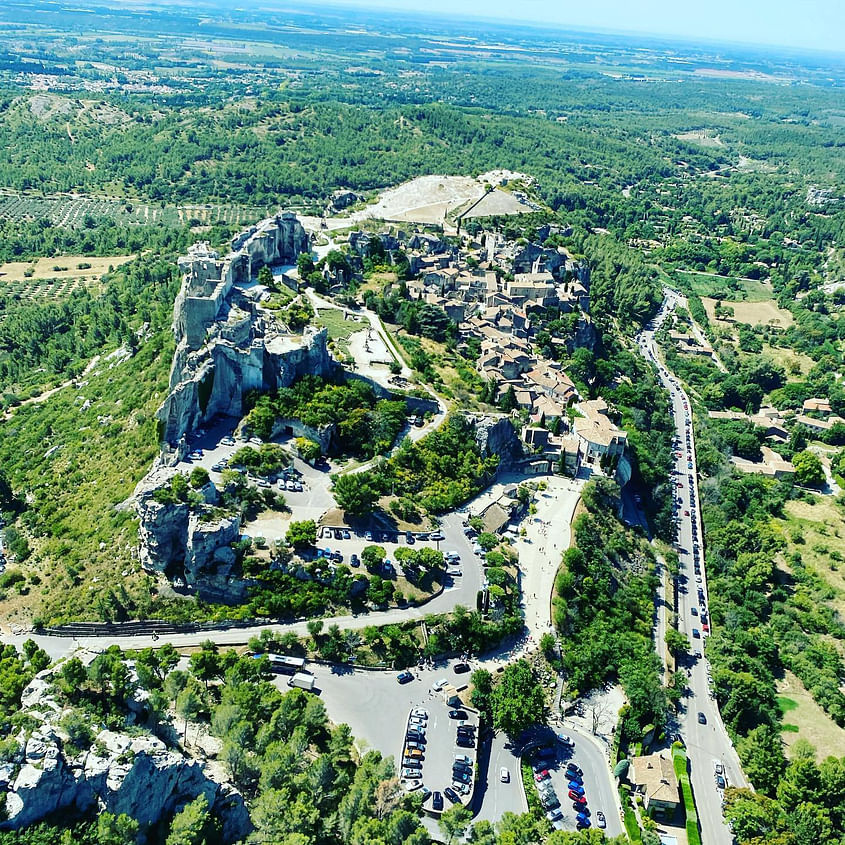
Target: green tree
pixel 454 822
pixel 198 477
pixel 302 534
pixel 518 699
pixel 482 692
pixel 808 469
pixel 188 705
pixel 355 493
pixel 116 830
pixel 206 664
pixel 309 450
pixel 676 642
pixel 763 760
pixel 193 824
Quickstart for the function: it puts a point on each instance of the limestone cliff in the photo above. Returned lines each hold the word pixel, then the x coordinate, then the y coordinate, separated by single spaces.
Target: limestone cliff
pixel 227 343
pixel 138 775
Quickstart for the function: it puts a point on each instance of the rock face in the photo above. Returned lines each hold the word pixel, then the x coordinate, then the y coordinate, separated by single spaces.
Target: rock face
pixel 182 544
pixel 499 437
pixel 226 344
pixel 136 775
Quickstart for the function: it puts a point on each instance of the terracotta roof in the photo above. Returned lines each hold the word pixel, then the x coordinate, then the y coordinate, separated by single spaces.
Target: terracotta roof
pixel 657 775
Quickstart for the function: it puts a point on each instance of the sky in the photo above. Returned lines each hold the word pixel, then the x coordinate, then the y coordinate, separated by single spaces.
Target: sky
pixel 806 24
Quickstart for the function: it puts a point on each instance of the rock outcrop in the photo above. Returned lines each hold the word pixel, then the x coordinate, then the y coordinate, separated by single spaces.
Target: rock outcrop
pixel 137 775
pixel 226 343
pixel 498 437
pixel 183 543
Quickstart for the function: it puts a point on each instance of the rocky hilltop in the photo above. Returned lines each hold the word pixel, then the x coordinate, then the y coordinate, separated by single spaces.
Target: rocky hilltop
pixel 226 343
pixel 138 774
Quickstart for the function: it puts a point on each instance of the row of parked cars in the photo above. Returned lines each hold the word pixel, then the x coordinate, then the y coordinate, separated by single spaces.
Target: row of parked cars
pixel 413 759
pixel 575 792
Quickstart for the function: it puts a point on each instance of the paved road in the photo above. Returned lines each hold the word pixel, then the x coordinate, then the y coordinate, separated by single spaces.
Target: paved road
pixel 706 743
pixel 494 797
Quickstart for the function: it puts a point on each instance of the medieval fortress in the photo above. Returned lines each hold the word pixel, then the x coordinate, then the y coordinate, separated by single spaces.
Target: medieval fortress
pixel 226 344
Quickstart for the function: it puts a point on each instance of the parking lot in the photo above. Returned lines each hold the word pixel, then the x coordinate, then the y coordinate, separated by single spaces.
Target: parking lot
pixel 436 736
pixel 377 707
pixel 593 780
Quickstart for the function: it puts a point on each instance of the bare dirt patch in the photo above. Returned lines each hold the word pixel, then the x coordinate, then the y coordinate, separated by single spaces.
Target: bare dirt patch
pixel 761 313
pixel 813 723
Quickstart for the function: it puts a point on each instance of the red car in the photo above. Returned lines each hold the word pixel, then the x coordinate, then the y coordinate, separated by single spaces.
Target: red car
pixel 578 799
pixel 541 775
pixel 705 626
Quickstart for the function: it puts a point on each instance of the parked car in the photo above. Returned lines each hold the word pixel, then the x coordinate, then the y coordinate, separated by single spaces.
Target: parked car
pixel 720 782
pixel 461 668
pixel 437 801
pixel 439 684
pixel 566 740
pixel 571 767
pixel 457 714
pixel 419 713
pixel 601 820
pixel 413 785
pixel 404 677
pixel 452 795
pixel 465 742
pixel 462 758
pixel 462 777
pixel 542 775
pixel 504 775
pixel 554 815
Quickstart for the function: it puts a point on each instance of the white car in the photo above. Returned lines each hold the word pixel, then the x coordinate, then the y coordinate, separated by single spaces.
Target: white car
pixel 504 775
pixel 228 441
pixel 439 685
pixel 566 740
pixel 419 713
pixel 411 785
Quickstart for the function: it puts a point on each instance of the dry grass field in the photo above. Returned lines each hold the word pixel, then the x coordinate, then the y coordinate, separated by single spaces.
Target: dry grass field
pixel 789 359
pixel 761 313
pixel 821 526
pixel 812 722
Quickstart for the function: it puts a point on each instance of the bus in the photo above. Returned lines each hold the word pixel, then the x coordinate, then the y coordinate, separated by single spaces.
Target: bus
pixel 284 665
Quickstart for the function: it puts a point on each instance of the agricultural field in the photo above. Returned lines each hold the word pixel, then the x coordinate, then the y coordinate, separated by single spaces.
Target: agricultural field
pixel 760 313
pixel 54 278
pixel 812 723
pixel 75 211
